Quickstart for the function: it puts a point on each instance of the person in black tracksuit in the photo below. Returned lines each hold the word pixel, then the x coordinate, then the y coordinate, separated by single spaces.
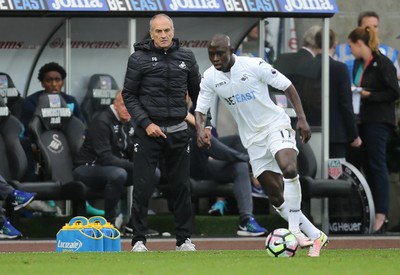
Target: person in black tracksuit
pixel 159 75
pixel 104 160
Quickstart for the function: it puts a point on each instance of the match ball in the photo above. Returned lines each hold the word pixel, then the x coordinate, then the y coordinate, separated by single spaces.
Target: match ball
pixel 281 243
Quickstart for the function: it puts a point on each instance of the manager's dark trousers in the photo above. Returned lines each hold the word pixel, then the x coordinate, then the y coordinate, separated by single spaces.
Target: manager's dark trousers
pixel 175 151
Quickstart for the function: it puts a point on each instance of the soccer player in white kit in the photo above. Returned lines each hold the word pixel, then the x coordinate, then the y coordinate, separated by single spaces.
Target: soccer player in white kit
pixel 241 83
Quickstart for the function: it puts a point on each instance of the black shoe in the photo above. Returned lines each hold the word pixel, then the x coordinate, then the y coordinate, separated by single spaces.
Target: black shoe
pixel 383 228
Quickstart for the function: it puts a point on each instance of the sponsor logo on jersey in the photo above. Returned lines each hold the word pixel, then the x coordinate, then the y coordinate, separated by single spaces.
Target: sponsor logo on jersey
pixel 240 98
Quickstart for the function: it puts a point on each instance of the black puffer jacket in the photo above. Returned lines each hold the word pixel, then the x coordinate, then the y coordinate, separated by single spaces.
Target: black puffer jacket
pixel 157 81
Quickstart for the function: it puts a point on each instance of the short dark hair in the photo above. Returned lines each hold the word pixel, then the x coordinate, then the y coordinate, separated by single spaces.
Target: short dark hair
pixel 318 38
pixel 366 14
pixel 51 67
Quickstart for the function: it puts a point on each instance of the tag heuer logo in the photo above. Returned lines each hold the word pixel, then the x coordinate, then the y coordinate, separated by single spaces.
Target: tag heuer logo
pixel 335 169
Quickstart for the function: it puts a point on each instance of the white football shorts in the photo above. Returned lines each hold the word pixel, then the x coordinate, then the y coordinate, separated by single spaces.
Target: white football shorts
pixel 262 153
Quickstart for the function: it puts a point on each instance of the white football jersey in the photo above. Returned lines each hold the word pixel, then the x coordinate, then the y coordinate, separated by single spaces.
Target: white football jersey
pixel 244 92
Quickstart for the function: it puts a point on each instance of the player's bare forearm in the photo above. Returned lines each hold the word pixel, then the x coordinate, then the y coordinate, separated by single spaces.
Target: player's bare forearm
pixel 304 130
pixel 203 137
pixel 294 98
pixel 200 119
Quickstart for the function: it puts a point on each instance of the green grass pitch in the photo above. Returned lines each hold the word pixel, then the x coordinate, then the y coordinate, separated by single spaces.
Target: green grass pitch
pixel 350 261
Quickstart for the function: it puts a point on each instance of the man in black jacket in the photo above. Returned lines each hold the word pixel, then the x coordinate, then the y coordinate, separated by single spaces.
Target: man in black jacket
pixel 342 124
pixel 158 76
pixel 303 70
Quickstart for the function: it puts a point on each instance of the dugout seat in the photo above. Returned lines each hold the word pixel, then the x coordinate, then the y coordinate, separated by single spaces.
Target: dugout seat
pixel 11 96
pixel 101 92
pixel 59 135
pixel 314 187
pixel 14 164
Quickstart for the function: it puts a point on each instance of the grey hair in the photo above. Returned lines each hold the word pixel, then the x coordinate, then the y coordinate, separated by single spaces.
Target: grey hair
pixel 309 36
pixel 160 15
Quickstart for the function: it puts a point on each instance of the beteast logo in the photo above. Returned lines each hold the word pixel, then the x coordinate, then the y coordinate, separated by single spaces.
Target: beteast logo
pixel 194 4
pixel 306 5
pixel 74 246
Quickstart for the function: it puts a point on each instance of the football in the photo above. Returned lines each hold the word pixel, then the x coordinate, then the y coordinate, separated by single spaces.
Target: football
pixel 281 243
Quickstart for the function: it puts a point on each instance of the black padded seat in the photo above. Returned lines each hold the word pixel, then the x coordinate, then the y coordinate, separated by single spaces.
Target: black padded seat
pixel 14 164
pixel 316 187
pixel 59 136
pixel 11 96
pixel 101 92
pixel 208 188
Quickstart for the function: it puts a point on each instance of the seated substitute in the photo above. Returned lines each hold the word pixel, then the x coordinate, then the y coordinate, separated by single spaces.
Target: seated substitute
pixel 52 77
pixel 104 160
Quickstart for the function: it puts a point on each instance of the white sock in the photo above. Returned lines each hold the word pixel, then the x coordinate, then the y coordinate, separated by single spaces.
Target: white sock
pixel 305 225
pixel 292 196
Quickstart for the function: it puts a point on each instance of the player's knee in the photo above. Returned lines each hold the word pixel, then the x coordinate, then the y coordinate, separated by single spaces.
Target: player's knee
pixel 118 177
pixel 276 199
pixel 290 171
